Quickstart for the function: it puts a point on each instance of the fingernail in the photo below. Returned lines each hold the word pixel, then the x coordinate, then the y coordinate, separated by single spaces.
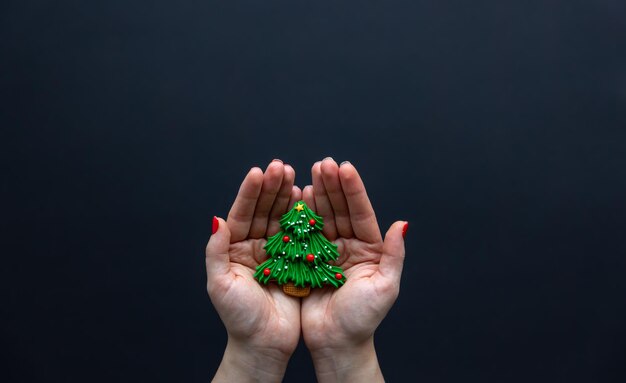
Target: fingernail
pixel 277 160
pixel 404 229
pixel 216 224
pixel 344 162
pixel 328 158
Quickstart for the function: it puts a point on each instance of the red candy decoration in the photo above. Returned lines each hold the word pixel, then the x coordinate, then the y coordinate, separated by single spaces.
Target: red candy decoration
pixel 310 257
pixel 338 276
pixel 312 222
pixel 286 238
pixel 266 272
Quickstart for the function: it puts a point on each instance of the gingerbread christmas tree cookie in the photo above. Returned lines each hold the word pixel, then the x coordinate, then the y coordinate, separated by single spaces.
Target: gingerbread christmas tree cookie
pixel 299 254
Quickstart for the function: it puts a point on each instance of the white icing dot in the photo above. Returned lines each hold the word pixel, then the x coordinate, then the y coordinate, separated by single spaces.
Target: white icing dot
pixel 285 267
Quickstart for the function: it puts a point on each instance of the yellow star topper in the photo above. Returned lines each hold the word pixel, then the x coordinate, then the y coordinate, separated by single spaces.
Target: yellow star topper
pixel 299 207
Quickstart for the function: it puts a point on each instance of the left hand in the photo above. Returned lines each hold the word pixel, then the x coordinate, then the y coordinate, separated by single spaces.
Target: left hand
pixel 343 320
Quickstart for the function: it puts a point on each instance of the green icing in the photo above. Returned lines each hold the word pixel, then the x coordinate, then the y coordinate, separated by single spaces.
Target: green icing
pixel 287 260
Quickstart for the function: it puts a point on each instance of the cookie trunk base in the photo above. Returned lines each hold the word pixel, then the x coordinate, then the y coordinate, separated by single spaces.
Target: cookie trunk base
pixel 295 291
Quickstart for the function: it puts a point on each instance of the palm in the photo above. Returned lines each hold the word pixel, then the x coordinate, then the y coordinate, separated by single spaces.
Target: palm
pixel 350 313
pixel 263 316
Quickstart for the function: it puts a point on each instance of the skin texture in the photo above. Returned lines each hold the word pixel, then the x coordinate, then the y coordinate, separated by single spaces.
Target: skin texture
pixel 337 324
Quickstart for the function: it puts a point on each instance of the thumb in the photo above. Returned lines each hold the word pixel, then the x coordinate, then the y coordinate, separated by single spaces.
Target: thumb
pixel 217 260
pixel 393 250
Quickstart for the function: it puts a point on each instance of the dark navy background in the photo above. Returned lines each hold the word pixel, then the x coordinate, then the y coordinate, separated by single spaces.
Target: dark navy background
pixel 498 129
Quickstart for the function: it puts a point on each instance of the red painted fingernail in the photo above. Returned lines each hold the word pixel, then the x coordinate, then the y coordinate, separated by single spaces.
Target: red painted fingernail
pixel 216 224
pixel 404 229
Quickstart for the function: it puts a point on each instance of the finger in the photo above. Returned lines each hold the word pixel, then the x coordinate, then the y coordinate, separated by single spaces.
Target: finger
pixel 242 211
pixel 281 204
pixel 272 182
pixel 362 216
pixel 322 202
pixel 330 176
pixel 217 260
pixel 296 195
pixel 392 260
pixel 308 198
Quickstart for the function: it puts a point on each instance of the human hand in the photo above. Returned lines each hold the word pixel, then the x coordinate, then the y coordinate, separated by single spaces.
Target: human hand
pixel 262 322
pixel 338 324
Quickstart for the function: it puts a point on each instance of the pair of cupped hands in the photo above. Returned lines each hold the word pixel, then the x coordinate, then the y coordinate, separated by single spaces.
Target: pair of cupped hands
pixel 263 323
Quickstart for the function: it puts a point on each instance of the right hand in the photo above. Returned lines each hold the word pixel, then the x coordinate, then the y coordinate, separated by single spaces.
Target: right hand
pixel 259 319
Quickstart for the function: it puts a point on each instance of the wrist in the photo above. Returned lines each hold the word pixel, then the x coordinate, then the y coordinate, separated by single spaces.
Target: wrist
pixel 243 363
pixel 353 363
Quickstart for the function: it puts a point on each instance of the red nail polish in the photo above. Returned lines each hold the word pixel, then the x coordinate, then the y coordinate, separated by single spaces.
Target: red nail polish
pixel 404 229
pixel 216 224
